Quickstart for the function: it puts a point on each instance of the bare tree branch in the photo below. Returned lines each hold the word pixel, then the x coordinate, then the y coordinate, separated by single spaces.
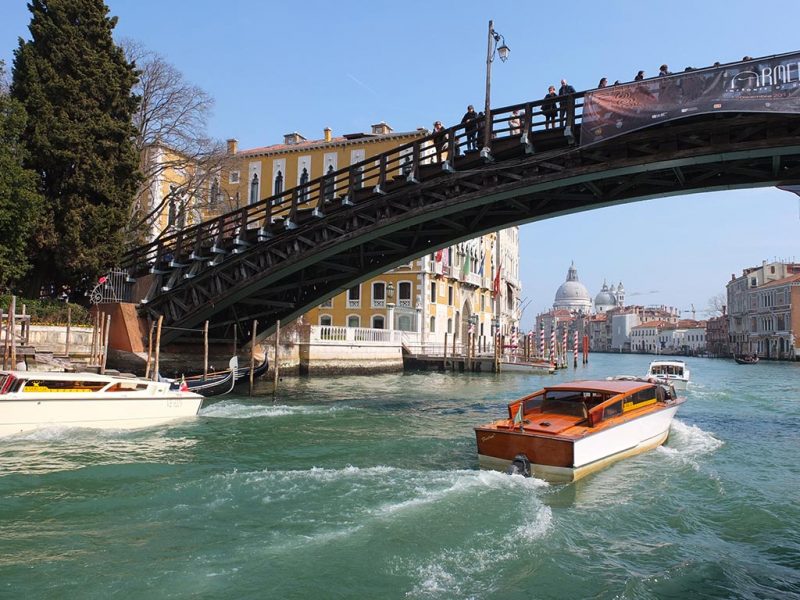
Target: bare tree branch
pixel 172 141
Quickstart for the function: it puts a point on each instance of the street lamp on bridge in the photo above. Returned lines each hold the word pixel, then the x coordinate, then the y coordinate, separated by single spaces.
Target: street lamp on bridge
pixel 502 51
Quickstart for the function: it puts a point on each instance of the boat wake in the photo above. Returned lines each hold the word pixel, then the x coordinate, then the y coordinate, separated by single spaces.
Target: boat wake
pixel 67 448
pixel 231 409
pixel 688 442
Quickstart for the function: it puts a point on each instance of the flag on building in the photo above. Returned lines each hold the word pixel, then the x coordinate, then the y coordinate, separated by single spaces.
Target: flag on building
pixel 438 255
pixel 496 286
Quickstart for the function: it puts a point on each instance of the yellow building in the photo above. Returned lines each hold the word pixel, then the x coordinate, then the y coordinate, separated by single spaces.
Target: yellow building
pixel 431 297
pixel 177 190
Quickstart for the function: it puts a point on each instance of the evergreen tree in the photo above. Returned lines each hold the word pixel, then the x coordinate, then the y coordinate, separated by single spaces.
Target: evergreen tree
pixel 19 201
pixel 76 86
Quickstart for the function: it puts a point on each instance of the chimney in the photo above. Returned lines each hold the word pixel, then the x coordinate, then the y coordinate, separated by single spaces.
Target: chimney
pixel 233 144
pixel 293 138
pixel 381 129
pixel 327 131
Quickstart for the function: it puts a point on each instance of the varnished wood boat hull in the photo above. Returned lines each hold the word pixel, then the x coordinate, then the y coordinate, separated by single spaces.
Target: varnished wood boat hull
pixel 561 460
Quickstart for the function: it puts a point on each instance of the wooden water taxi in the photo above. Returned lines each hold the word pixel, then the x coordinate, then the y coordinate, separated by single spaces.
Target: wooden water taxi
pixel 674 371
pixel 566 431
pixel 31 400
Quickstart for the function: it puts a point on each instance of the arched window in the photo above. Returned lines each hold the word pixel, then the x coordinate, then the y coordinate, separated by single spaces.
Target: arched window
pixel 325 320
pixel 354 321
pixel 304 181
pixel 378 322
pixel 254 189
pixel 328 187
pixel 433 325
pixel 278 187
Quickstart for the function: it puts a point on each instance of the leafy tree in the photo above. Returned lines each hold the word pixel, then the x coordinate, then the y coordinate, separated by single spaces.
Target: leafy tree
pixel 19 200
pixel 75 84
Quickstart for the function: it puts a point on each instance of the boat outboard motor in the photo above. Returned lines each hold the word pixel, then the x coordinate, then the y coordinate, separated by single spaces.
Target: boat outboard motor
pixel 520 466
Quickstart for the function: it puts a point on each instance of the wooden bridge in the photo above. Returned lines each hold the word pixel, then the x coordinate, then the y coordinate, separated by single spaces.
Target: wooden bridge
pixel 276 259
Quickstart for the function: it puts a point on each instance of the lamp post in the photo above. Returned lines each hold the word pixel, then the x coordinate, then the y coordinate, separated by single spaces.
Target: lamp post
pixel 502 51
pixel 390 304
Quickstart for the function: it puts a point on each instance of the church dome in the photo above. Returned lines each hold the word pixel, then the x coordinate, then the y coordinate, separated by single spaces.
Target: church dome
pixel 572 294
pixel 605 299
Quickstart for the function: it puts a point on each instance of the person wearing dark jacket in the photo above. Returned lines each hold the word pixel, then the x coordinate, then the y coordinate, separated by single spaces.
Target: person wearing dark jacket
pixel 469 120
pixel 550 108
pixel 565 90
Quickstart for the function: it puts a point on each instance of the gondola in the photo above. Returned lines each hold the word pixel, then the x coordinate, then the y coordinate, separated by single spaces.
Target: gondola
pixel 214 384
pixel 746 359
pixel 243 374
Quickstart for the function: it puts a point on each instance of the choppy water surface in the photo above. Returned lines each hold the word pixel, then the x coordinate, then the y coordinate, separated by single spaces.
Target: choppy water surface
pixel 368 487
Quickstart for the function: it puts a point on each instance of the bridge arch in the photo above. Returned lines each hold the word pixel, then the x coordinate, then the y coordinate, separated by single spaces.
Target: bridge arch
pixel 283 256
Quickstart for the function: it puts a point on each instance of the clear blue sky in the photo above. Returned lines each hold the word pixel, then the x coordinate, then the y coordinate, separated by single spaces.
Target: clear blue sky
pixel 276 67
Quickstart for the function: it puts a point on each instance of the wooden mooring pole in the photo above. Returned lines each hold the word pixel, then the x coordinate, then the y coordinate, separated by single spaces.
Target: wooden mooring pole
pixel 444 358
pixel 12 329
pixel 69 327
pixel 105 344
pixel 252 352
pixel 149 350
pixel 276 366
pixel 158 347
pixel 205 351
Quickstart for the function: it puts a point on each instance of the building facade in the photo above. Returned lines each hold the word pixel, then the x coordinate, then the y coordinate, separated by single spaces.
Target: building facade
pixel 436 297
pixel 764 311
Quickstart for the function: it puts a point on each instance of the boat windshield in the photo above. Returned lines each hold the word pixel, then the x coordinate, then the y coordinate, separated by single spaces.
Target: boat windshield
pixel 673 370
pixel 564 402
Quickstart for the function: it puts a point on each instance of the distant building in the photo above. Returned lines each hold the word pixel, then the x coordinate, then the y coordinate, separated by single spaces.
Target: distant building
pixel 764 311
pixel 572 295
pixel 609 298
pixel 717 335
pixel 646 338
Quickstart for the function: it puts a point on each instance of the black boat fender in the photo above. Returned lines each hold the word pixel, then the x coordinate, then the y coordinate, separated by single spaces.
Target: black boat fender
pixel 520 466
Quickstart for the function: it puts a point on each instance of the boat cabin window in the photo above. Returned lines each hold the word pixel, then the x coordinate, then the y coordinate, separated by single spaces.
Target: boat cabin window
pixel 530 405
pixel 612 410
pixel 564 402
pixel 641 398
pixel 66 385
pixel 126 386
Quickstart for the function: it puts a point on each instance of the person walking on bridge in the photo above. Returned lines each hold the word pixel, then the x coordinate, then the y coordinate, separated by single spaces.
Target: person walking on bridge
pixel 565 90
pixel 470 122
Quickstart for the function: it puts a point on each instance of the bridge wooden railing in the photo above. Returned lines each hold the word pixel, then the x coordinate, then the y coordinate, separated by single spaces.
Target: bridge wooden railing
pixel 235 230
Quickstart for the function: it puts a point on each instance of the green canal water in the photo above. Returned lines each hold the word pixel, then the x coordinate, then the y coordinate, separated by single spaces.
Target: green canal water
pixel 368 487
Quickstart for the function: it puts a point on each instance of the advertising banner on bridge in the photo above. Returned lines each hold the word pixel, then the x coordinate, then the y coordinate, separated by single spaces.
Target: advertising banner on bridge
pixel 770 84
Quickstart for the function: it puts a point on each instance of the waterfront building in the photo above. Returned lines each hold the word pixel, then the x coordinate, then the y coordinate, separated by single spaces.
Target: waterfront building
pixel 432 297
pixel 764 310
pixel 687 336
pixel 646 338
pixel 717 335
pixel 622 323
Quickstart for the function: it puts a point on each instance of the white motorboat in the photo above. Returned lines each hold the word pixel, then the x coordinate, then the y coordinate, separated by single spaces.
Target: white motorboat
pixel 31 400
pixel 674 372
pixel 515 364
